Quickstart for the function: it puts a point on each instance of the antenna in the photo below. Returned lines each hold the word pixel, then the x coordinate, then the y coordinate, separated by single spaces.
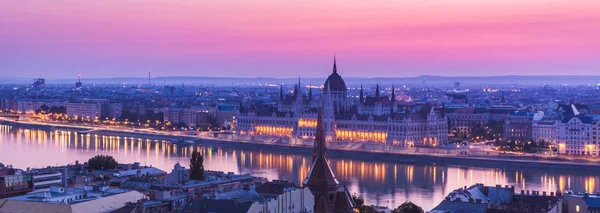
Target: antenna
pixel 149 83
pixel 79 77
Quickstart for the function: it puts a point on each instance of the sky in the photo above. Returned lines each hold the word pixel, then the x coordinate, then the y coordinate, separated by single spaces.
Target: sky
pixel 298 38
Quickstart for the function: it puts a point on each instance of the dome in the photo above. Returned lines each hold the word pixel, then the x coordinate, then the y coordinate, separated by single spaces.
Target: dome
pixel 335 81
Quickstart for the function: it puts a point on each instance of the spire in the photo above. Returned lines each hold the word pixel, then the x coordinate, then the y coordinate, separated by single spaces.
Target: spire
pixel 334 64
pixel 79 78
pixel 295 91
pixel 362 98
pixel 377 91
pixel 281 92
pixel 320 146
pixel 299 87
pixel 393 98
pixel 502 101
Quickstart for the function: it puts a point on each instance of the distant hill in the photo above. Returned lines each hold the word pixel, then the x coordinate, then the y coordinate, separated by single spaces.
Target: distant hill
pixel 425 80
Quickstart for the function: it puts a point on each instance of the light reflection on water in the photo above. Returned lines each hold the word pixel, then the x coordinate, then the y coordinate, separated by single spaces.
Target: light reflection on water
pixel 382 183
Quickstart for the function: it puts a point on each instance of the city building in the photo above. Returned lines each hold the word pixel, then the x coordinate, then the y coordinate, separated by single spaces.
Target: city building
pixel 498 199
pixel 579 135
pixel 545 131
pixel 39 83
pixel 96 198
pixel 375 119
pixel 100 109
pixel 84 110
pixel 78 84
pixel 14 182
pixel 282 197
pixel 31 105
pixel 190 116
pixel 519 125
pixel 582 202
pixel 462 121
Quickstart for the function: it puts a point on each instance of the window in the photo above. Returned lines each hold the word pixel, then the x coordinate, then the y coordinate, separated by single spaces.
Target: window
pixel 577 208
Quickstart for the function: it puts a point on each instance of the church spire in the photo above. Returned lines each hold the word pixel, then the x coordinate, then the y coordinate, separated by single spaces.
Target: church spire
pixel 377 91
pixel 299 87
pixel 334 64
pixel 393 100
pixel 320 146
pixel 362 98
pixel 281 92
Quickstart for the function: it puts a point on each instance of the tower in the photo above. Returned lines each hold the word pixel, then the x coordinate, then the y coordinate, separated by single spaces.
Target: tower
pixel 393 100
pixel 78 84
pixel 377 91
pixel 336 88
pixel 362 98
pixel 280 92
pixel 320 180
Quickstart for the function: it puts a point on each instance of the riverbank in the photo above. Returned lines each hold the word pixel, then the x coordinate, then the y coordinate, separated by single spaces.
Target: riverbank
pixel 367 155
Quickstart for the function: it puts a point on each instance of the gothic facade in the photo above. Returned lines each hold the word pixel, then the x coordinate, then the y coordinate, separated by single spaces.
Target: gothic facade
pixel 374 119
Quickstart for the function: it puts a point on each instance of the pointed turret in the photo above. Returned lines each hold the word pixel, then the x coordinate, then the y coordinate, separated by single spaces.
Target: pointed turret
pixel 281 92
pixel 320 146
pixel 299 86
pixel 334 64
pixel 295 91
pixel 362 98
pixel 393 100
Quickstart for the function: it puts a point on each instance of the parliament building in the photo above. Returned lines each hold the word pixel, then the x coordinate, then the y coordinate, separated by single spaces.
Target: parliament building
pixel 374 120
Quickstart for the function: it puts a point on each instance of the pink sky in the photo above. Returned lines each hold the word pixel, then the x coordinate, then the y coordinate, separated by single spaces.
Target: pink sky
pixel 380 38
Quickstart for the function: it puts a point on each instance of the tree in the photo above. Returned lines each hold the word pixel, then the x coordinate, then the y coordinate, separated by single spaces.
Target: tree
pixel 102 162
pixel 1 165
pixel 408 207
pixel 197 166
pixel 360 204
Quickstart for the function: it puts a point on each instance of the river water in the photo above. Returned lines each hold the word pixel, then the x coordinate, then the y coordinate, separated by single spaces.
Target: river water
pixel 381 183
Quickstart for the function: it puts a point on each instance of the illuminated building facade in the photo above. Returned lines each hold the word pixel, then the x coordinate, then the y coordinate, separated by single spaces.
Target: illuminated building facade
pixel 579 135
pixel 374 119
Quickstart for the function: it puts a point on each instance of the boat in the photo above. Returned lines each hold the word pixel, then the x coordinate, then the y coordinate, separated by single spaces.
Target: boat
pixel 181 141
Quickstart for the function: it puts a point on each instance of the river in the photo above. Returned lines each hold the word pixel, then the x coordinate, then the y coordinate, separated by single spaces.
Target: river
pixel 380 182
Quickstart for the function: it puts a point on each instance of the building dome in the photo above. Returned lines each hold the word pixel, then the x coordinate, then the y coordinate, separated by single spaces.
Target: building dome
pixel 335 81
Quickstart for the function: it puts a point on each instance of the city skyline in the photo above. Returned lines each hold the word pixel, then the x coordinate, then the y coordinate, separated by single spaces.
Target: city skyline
pixel 276 39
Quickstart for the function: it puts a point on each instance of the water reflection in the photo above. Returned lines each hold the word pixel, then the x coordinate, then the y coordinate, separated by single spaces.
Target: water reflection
pixel 382 183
